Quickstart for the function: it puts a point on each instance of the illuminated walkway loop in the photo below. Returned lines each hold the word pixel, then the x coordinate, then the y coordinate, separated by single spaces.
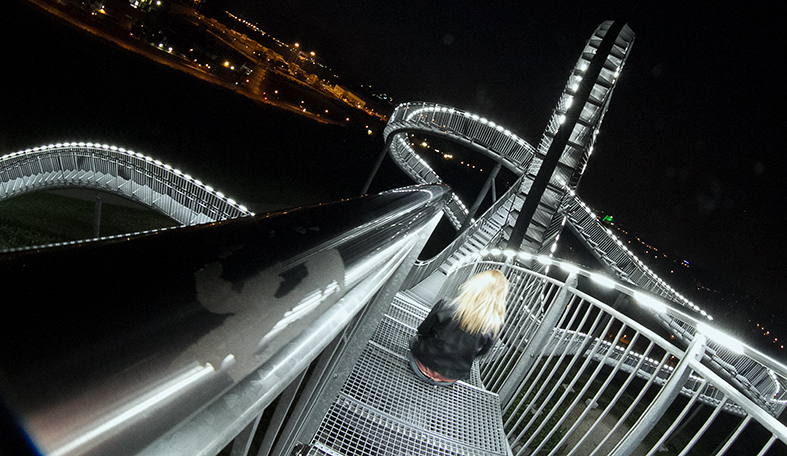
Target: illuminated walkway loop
pixel 110 169
pixel 308 313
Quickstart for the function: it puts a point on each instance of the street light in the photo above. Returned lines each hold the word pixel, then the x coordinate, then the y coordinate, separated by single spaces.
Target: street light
pixel 292 56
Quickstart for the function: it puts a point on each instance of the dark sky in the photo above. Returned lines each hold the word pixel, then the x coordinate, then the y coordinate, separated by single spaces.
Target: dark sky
pixel 691 152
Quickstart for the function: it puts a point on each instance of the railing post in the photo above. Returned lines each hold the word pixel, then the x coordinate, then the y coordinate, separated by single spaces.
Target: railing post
pixel 481 195
pixel 668 393
pixel 97 216
pixel 377 164
pixel 538 341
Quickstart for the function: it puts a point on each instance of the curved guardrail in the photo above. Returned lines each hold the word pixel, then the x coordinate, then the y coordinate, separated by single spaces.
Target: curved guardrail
pixel 116 170
pixel 557 393
pixel 462 127
pixel 760 378
pixel 496 224
pixel 747 373
pixel 170 321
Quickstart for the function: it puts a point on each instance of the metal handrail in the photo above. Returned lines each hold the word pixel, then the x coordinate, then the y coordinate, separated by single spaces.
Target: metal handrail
pixel 560 333
pixel 750 374
pixel 116 170
pixel 167 322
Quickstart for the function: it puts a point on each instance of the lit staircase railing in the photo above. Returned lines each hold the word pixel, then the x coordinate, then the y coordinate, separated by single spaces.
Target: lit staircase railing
pixel 577 374
pixel 115 170
pixel 753 377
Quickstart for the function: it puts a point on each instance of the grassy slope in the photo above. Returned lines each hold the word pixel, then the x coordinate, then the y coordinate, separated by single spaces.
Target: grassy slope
pixel 42 218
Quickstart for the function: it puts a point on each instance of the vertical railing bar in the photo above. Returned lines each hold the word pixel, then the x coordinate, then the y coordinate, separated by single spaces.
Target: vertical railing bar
pixel 491 373
pixel 587 384
pixel 530 372
pixel 280 414
pixel 680 417
pixel 663 399
pixel 242 441
pixel 632 375
pixel 531 368
pixel 744 422
pixel 767 446
pixel 528 287
pixel 532 290
pixel 556 312
pixel 704 427
pixel 569 367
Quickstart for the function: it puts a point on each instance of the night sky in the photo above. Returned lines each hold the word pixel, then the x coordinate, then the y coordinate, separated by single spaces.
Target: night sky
pixel 690 154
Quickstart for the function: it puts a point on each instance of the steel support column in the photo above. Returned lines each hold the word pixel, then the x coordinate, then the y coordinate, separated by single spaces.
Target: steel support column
pixel 481 195
pixel 377 164
pixel 97 217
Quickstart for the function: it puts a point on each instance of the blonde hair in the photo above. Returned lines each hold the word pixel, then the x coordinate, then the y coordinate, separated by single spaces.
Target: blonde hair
pixel 481 304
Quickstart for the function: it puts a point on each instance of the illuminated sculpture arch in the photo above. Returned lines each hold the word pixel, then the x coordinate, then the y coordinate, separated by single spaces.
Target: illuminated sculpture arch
pixel 559 206
pixel 456 125
pixel 563 149
pixel 118 171
pixel 571 132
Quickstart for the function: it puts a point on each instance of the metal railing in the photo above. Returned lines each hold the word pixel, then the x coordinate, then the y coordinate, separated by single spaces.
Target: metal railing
pixel 752 376
pixel 115 170
pixel 578 375
pixel 200 327
pixel 465 128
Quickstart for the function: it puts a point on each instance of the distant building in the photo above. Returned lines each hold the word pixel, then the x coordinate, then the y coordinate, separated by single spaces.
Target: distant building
pixel 346 95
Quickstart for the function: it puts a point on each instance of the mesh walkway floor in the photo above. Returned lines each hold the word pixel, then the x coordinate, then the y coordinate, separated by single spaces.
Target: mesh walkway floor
pixel 383 409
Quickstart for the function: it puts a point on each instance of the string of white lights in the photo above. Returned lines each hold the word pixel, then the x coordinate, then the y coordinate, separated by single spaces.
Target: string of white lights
pixel 121 153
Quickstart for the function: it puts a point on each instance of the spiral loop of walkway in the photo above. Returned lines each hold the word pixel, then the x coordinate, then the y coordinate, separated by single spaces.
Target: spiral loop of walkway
pixel 461 127
pixel 362 397
pixel 577 117
pixel 118 171
pixel 559 204
pixel 571 131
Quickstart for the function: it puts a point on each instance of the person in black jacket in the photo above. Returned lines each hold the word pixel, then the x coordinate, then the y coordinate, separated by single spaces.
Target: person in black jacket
pixel 453 335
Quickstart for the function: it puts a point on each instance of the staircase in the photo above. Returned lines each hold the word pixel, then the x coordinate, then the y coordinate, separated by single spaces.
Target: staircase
pixel 383 409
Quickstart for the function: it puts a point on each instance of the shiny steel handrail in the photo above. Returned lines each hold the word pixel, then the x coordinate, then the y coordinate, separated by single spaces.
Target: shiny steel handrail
pixel 168 321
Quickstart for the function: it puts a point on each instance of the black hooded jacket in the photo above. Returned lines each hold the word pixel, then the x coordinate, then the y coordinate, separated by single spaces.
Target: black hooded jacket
pixel 445 348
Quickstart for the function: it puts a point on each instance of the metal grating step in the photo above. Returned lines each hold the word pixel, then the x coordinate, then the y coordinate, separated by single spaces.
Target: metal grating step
pixel 383 409
pixel 412 302
pixel 350 429
pixel 405 313
pixel 393 336
pixel 383 381
pixel 413 298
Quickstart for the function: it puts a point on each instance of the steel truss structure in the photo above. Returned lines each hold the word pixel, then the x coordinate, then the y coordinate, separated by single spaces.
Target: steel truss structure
pixel 301 342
